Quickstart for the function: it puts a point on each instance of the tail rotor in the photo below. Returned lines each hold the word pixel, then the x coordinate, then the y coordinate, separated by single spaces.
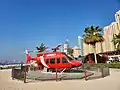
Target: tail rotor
pixel 28 57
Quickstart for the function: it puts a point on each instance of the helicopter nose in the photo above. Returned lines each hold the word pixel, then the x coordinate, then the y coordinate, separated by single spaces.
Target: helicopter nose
pixel 76 63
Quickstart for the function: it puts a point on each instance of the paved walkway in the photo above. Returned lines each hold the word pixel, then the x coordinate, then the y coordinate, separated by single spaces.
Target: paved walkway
pixel 111 82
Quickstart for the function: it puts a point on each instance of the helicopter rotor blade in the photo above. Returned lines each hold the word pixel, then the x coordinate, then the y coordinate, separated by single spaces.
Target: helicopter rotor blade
pixel 29 51
pixel 57 47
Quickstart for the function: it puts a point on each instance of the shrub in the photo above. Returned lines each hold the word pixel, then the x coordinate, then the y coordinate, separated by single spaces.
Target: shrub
pixel 103 65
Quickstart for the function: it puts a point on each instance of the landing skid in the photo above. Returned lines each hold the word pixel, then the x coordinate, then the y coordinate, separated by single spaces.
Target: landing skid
pixel 54 72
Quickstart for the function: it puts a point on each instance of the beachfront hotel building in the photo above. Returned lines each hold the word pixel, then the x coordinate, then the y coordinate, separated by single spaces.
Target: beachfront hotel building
pixel 105 46
pixel 109 31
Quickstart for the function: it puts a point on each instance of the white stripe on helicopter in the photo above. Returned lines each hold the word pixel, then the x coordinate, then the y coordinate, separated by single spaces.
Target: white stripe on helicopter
pixel 43 62
pixel 51 55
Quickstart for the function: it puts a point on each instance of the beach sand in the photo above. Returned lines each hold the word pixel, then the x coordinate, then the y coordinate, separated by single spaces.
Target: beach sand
pixel 111 82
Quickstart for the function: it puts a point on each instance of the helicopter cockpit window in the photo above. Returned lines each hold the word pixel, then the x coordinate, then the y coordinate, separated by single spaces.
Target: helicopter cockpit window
pixel 64 60
pixel 58 60
pixel 69 57
pixel 52 61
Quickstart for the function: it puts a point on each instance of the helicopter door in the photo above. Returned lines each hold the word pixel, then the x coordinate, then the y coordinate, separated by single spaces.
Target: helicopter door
pixel 65 63
pixel 58 60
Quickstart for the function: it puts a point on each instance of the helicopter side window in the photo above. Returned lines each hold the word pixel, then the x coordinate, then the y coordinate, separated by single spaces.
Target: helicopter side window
pixel 52 61
pixel 58 60
pixel 47 61
pixel 64 60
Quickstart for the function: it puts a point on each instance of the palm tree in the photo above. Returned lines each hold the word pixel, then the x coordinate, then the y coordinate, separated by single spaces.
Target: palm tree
pixel 116 41
pixel 92 36
pixel 41 48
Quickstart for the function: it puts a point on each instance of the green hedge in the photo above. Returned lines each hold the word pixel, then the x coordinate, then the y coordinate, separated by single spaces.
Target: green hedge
pixel 73 71
pixel 104 65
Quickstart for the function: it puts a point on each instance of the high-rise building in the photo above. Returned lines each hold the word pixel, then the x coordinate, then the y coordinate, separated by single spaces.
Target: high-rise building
pixel 66 45
pixel 65 48
pixel 67 42
pixel 80 45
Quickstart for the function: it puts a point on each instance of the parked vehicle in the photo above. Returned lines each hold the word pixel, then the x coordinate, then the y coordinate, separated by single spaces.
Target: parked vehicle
pixel 90 58
pixel 113 58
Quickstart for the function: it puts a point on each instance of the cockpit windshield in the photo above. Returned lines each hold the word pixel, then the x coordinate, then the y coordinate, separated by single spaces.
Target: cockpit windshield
pixel 69 57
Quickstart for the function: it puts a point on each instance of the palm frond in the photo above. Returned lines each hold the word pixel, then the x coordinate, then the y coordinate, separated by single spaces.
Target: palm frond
pixel 41 48
pixel 92 27
pixel 93 35
pixel 97 27
pixel 116 41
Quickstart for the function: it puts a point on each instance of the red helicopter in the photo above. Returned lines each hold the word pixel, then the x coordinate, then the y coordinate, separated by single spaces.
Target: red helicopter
pixel 52 60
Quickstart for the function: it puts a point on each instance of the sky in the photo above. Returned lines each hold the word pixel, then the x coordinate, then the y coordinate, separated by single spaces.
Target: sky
pixel 25 24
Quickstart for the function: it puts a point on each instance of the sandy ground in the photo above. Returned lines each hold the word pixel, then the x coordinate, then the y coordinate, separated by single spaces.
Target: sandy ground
pixel 111 82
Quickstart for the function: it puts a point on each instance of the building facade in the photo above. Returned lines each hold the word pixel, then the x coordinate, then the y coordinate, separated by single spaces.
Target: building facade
pixel 108 36
pixel 85 49
pixel 117 18
pixel 109 32
pixel 99 47
pixel 76 51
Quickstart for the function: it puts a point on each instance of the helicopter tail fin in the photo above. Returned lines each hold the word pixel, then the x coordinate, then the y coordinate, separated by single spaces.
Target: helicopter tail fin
pixel 28 57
